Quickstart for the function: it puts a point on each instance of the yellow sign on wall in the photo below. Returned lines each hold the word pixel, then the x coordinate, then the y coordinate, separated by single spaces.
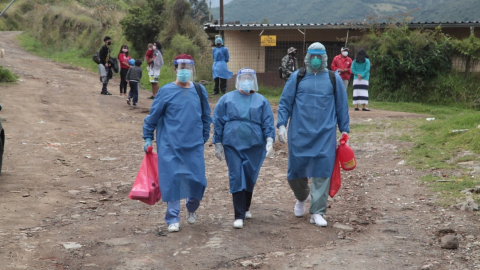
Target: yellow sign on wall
pixel 268 41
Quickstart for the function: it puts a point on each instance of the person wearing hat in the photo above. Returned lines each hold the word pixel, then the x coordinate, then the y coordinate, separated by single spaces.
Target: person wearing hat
pixel 220 72
pixel 180 114
pixel 342 63
pixel 289 63
pixel 312 112
pixel 243 132
pixel 105 68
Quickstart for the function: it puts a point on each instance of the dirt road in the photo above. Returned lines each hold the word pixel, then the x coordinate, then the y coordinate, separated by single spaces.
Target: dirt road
pixel 72 155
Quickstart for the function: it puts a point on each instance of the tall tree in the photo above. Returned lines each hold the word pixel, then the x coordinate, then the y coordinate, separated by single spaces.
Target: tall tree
pixel 142 25
pixel 199 10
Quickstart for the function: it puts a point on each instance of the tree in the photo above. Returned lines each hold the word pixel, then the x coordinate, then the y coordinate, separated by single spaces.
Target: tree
pixel 199 10
pixel 142 25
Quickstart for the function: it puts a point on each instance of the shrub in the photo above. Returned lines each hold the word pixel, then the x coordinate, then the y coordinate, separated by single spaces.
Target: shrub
pixel 407 62
pixel 7 76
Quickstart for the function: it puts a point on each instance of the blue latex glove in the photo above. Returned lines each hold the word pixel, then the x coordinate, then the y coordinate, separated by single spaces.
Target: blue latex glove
pixel 148 142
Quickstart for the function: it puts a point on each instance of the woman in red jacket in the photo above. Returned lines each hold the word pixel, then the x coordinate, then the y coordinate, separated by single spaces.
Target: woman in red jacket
pixel 123 58
pixel 343 63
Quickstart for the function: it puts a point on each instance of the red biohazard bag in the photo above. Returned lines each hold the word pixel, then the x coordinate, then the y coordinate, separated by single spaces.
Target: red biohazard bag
pixel 335 180
pixel 146 188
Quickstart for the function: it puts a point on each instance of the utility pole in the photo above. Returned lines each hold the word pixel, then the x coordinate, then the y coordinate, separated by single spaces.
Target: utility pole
pixel 221 12
pixel 210 11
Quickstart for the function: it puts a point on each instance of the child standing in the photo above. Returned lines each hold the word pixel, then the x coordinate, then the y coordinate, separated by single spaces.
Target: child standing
pixel 133 77
pixel 149 54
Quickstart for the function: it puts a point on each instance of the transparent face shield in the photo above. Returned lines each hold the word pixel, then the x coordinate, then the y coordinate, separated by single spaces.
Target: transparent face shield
pixel 316 60
pixel 185 70
pixel 246 80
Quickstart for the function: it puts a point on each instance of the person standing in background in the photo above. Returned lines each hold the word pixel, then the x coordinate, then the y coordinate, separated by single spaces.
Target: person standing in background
pixel 155 63
pixel 133 77
pixel 106 72
pixel 123 57
pixel 289 63
pixel 342 63
pixel 220 72
pixel 361 73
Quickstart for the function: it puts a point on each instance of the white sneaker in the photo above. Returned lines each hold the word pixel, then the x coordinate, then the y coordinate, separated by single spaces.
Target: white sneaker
pixel 299 209
pixel 318 220
pixel 238 223
pixel 191 217
pixel 174 227
pixel 248 214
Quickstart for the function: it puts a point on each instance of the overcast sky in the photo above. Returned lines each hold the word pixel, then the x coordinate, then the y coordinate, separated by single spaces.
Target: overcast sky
pixel 216 3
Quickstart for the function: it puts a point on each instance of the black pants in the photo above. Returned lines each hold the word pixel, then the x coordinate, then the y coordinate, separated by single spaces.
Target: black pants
pixel 241 203
pixel 222 83
pixel 133 94
pixel 123 81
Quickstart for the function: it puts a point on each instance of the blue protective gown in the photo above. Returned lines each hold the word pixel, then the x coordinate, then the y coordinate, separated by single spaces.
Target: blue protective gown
pixel 242 123
pixel 181 131
pixel 220 60
pixel 314 112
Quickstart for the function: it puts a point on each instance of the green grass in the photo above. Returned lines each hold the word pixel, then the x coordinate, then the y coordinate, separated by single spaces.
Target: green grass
pixel 449 188
pixel 6 76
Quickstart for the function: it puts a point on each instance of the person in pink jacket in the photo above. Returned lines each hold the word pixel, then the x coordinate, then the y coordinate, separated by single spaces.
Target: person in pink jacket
pixel 343 63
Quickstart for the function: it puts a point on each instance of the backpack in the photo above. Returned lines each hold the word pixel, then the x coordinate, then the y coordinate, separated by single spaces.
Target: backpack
pixel 96 58
pixel 280 72
pixel 331 74
pixel 199 92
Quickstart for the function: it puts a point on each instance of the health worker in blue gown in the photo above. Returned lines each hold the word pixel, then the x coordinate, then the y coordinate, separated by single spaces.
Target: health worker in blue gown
pixel 181 117
pixel 312 112
pixel 220 72
pixel 243 132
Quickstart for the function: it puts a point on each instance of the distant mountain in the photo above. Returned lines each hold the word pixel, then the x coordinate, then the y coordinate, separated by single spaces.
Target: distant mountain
pixel 321 11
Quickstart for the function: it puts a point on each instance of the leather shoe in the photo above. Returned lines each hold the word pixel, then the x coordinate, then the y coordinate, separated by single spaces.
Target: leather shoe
pixel 106 93
pixel 365 109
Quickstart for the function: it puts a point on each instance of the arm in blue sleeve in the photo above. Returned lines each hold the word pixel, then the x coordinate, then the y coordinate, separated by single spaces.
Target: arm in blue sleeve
pixel 268 124
pixel 227 55
pixel 341 106
pixel 287 99
pixel 219 120
pixel 151 120
pixel 353 68
pixel 367 68
pixel 206 119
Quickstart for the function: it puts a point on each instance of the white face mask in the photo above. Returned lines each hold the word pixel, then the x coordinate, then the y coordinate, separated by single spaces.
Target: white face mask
pixel 344 53
pixel 154 47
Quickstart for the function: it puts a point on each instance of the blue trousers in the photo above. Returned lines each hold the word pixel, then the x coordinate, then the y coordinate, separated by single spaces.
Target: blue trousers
pixel 173 209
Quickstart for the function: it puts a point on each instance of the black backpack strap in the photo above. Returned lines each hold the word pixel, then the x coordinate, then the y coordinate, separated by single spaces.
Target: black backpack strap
pixel 331 74
pixel 199 92
pixel 300 75
pixel 333 80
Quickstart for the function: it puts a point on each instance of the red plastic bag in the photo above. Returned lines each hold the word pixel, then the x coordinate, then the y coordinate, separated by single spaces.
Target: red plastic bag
pixel 335 180
pixel 146 188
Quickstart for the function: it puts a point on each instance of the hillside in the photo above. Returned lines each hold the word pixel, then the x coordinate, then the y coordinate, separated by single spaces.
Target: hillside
pixel 320 11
